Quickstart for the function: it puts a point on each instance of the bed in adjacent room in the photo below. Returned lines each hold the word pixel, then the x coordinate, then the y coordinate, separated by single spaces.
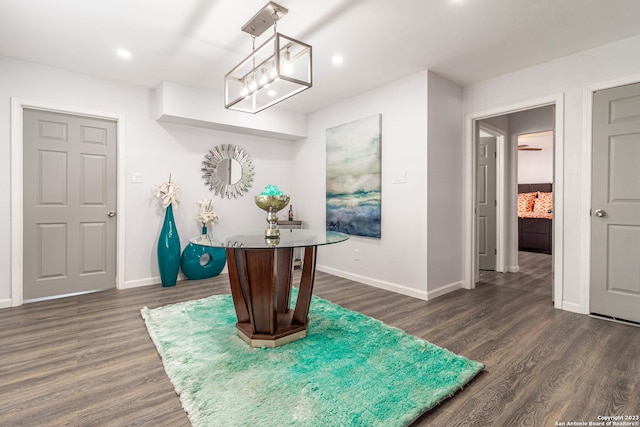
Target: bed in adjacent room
pixel 535 217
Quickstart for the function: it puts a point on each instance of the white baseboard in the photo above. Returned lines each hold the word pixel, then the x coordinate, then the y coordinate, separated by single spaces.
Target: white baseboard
pixel 393 287
pixel 5 303
pixel 148 281
pixel 512 269
pixel 573 307
pixel 129 284
pixel 445 289
pixel 157 281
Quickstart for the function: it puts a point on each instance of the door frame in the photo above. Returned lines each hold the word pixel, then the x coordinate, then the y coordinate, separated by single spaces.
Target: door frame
pixel 501 236
pixel 588 157
pixel 17 187
pixel 470 197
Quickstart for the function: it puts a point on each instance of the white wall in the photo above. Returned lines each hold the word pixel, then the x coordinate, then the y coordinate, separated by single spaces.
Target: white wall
pixel 535 166
pixel 153 149
pixel 531 121
pixel 194 107
pixel 397 261
pixel 444 205
pixel 568 76
pixel 180 151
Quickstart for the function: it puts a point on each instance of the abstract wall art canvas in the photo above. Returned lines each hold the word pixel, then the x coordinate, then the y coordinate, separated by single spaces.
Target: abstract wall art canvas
pixel 354 183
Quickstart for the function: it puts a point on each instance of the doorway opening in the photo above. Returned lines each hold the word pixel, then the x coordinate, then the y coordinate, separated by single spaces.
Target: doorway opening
pixel 514 122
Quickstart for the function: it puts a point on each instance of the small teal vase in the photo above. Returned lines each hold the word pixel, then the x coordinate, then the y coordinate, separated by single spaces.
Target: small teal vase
pixel 169 250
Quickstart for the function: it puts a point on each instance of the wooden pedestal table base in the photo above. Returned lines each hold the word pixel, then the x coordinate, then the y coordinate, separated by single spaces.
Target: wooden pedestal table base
pixel 261 281
pixel 261 276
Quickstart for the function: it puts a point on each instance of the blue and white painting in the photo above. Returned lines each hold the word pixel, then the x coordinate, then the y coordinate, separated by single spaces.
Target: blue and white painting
pixel 354 177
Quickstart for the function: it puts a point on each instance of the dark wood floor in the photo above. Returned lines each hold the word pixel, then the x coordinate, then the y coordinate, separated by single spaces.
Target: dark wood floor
pixel 88 361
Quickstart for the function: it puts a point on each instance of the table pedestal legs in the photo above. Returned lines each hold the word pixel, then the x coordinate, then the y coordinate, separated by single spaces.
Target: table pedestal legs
pixel 261 281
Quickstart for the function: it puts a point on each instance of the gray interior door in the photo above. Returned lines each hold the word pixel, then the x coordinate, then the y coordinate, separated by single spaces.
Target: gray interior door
pixel 69 191
pixel 615 203
pixel 487 203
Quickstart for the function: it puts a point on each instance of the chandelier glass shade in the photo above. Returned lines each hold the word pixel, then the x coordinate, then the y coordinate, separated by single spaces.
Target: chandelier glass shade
pixel 278 69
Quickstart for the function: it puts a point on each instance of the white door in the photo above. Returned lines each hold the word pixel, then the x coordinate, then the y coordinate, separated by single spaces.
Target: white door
pixel 615 204
pixel 69 204
pixel 487 203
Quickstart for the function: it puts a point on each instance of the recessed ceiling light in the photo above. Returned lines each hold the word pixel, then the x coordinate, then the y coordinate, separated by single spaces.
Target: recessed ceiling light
pixel 337 59
pixel 123 53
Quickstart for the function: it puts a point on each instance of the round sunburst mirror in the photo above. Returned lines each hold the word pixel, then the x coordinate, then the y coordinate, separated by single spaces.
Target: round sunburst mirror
pixel 227 170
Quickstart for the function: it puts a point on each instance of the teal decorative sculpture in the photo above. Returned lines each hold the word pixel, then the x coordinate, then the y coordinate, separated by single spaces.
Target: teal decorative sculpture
pixel 193 267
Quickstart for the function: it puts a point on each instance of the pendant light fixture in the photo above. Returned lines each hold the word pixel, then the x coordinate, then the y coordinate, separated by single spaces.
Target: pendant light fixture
pixel 276 70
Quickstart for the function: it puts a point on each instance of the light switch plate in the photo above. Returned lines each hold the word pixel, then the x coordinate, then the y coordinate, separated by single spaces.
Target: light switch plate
pixel 136 178
pixel 400 177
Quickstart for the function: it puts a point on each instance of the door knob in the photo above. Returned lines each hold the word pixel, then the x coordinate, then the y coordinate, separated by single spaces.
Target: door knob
pixel 111 214
pixel 599 213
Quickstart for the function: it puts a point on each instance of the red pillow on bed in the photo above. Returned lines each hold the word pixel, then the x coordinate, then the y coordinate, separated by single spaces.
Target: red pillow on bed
pixel 544 202
pixel 526 201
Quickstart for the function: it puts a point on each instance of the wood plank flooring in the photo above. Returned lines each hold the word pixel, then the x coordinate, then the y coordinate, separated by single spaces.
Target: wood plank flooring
pixel 88 361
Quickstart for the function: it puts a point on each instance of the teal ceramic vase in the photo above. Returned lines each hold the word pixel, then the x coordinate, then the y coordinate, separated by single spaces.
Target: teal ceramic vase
pixel 202 262
pixel 169 250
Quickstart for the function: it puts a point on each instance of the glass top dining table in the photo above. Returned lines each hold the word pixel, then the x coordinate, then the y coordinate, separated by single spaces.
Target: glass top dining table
pixel 255 239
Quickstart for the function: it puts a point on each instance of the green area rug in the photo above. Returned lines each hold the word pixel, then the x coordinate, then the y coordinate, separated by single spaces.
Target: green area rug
pixel 350 370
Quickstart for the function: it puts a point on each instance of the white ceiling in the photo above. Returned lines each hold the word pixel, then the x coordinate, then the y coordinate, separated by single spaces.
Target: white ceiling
pixel 542 140
pixel 195 42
